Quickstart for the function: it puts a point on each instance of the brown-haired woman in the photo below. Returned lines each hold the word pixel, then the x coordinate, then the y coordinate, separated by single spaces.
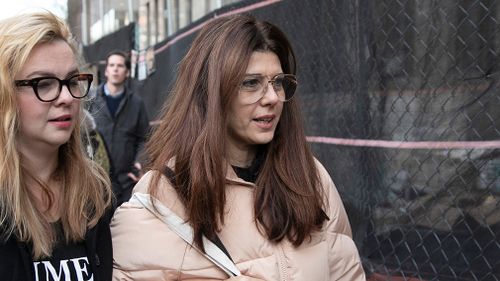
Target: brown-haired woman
pixel 230 158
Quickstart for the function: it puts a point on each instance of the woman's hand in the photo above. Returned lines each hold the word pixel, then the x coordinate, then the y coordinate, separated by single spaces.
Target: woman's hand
pixel 136 172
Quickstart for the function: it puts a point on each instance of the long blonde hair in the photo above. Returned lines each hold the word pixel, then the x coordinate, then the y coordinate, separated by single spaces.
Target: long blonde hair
pixel 86 191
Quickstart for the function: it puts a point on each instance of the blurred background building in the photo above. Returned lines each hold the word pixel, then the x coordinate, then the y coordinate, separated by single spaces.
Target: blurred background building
pixel 156 19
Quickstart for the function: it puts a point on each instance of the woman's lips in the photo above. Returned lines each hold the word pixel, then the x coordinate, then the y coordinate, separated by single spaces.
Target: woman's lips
pixel 63 121
pixel 264 122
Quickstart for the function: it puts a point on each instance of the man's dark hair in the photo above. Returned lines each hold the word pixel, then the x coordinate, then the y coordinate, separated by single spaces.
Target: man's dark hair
pixel 119 53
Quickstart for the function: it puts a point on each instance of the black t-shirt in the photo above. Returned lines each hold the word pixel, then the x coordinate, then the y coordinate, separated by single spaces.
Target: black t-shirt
pixel 69 261
pixel 251 173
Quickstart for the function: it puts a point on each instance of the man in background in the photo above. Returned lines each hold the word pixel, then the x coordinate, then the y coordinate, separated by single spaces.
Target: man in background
pixel 122 120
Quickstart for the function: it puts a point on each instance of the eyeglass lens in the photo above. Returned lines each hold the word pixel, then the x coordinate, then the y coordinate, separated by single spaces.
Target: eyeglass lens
pixel 254 87
pixel 49 89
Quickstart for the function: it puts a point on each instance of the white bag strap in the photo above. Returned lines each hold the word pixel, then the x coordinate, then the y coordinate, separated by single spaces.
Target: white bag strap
pixel 185 231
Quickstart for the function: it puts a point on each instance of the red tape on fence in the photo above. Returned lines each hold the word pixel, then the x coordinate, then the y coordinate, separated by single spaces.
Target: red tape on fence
pixel 493 144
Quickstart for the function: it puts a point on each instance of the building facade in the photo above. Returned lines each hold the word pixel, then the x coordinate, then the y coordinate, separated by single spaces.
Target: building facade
pixel 155 20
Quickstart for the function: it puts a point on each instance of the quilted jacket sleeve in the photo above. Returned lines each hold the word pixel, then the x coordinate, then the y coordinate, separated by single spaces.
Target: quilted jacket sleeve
pixel 144 248
pixel 344 260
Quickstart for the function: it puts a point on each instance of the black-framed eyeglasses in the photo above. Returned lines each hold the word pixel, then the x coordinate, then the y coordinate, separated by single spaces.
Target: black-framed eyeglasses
pixel 48 89
pixel 254 87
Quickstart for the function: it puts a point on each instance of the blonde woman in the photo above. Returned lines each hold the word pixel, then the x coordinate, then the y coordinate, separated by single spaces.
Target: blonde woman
pixel 54 218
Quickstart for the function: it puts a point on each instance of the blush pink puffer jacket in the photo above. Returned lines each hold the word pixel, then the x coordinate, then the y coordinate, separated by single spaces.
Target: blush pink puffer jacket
pixel 144 248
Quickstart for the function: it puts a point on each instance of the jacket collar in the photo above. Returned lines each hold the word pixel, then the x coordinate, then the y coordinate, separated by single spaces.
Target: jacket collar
pixel 126 91
pixel 232 178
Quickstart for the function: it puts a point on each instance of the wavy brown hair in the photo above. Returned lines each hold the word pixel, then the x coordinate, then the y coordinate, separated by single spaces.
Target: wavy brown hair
pixel 193 130
pixel 85 186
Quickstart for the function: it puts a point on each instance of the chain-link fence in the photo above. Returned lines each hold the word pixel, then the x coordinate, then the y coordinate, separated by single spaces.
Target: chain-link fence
pixel 407 94
pixel 402 105
pixel 435 78
pixel 403 101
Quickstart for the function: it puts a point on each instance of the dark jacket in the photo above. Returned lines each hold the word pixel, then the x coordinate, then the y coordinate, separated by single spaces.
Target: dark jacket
pixel 123 134
pixel 16 262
